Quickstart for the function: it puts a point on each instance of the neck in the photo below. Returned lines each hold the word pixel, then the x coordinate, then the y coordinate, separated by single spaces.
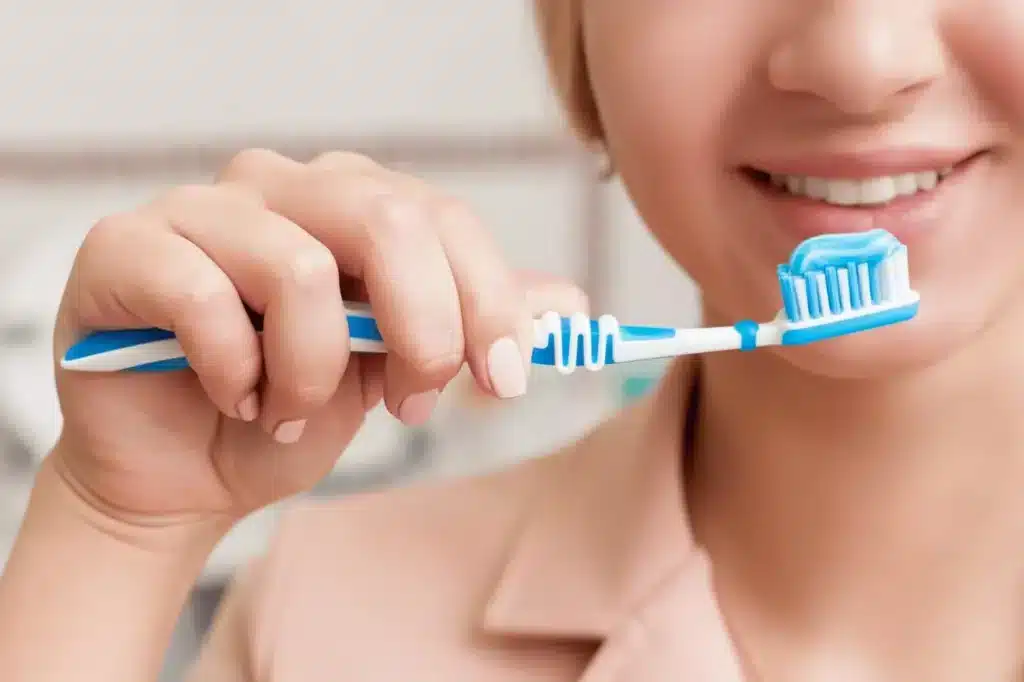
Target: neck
pixel 886 511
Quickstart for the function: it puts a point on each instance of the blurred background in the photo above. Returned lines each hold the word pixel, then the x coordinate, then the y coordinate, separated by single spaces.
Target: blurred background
pixel 106 103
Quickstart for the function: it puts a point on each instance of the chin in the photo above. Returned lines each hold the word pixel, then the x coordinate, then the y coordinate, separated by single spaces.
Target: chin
pixel 932 337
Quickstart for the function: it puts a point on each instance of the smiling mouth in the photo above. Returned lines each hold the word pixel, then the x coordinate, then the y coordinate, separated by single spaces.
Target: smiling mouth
pixel 857 192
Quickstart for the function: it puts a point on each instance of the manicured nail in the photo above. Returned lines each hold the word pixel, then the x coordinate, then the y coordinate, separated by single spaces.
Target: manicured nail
pixel 506 369
pixel 289 432
pixel 249 408
pixel 417 408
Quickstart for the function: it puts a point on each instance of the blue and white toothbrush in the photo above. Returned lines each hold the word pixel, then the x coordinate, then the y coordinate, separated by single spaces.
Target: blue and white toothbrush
pixel 833 285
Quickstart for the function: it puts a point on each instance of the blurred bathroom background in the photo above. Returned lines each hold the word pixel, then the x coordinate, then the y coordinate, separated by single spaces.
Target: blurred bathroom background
pixel 108 102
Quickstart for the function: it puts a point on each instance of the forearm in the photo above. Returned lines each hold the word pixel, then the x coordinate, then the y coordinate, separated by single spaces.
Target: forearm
pixel 84 598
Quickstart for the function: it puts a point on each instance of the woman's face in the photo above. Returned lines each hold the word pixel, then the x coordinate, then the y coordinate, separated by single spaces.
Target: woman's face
pixel 913 109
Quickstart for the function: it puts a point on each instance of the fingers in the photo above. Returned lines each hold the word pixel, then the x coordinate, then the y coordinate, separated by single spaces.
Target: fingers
pixel 289 277
pixel 440 292
pixel 497 321
pixel 413 292
pixel 134 273
pixel 546 292
pixel 282 238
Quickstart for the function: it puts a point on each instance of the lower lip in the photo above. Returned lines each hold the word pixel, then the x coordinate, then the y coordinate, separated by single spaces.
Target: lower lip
pixel 905 217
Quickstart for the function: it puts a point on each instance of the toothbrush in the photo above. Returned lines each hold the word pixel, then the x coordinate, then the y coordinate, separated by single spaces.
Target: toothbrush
pixel 833 285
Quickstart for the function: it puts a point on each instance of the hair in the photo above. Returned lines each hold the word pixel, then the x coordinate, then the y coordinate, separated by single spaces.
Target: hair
pixel 560 25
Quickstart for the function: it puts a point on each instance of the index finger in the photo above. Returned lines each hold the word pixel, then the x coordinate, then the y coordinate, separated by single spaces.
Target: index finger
pixel 546 292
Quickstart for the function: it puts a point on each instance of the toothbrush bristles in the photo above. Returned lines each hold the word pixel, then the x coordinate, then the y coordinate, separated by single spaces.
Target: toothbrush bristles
pixel 844 289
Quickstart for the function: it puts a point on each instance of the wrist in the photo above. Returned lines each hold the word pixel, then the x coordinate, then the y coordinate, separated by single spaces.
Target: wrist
pixel 74 566
pixel 60 497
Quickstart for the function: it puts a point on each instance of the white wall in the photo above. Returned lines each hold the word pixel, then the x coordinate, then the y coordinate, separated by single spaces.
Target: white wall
pixel 189 68
pixel 113 74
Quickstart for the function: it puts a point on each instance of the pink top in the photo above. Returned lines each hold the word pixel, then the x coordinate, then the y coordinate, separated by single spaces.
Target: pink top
pixel 578 566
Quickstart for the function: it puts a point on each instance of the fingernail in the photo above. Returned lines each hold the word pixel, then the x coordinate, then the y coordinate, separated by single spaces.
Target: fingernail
pixel 506 369
pixel 417 408
pixel 249 408
pixel 289 432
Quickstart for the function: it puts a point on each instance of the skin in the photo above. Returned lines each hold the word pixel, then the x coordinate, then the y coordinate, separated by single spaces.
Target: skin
pixel 860 498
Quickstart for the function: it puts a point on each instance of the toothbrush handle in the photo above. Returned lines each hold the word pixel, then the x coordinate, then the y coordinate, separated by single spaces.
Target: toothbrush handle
pixel 567 343
pixel 561 342
pixel 158 350
pixel 744 336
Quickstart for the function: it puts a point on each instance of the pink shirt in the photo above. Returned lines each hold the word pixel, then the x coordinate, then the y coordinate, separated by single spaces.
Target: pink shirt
pixel 580 566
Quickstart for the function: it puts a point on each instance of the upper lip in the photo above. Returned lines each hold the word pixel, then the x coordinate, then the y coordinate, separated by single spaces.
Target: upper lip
pixel 863 164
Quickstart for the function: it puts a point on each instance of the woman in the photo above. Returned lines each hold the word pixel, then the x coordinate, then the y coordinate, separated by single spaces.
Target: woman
pixel 849 510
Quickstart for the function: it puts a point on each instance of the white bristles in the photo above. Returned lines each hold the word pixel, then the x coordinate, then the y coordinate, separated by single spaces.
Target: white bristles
pixel 864 279
pixel 801 297
pixel 831 292
pixel 844 289
pixel 819 282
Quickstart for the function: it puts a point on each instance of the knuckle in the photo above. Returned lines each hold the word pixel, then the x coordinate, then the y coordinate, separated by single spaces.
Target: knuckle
pixel 109 236
pixel 487 318
pixel 204 295
pixel 448 211
pixel 564 297
pixel 310 393
pixel 248 162
pixel 340 160
pixel 190 195
pixel 110 229
pixel 327 180
pixel 239 373
pixel 436 364
pixel 395 217
pixel 311 267
pixel 221 356
pixel 238 196
pixel 575 299
pixel 337 180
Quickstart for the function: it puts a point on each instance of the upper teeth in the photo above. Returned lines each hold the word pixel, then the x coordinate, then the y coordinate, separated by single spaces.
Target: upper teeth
pixel 847 192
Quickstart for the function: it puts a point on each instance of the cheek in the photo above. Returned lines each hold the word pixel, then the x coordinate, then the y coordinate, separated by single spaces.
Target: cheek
pixel 665 76
pixel 986 39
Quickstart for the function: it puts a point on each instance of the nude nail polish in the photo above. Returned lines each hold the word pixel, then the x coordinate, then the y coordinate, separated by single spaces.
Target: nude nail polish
pixel 289 432
pixel 506 369
pixel 249 408
pixel 417 408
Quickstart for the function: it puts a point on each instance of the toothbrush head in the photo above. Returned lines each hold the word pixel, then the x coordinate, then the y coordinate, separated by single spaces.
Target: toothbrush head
pixel 840 284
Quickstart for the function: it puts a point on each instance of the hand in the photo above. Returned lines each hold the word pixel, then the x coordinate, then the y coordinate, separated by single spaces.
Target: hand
pixel 264 417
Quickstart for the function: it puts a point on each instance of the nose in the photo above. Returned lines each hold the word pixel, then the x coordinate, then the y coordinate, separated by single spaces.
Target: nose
pixel 859 55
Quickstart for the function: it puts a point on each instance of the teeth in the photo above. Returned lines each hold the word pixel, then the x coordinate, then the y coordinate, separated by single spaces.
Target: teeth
pixel 867 192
